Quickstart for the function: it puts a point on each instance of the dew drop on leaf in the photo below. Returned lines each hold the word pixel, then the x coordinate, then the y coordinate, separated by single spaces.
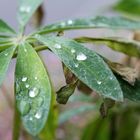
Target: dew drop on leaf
pixel 24 107
pixel 99 82
pixel 70 22
pixel 27 85
pixel 58 46
pixel 33 92
pixel 38 115
pixel 72 51
pixel 25 9
pixel 24 79
pixel 81 57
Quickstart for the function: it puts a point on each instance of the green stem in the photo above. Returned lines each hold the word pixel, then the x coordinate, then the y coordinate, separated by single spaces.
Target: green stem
pixel 16 125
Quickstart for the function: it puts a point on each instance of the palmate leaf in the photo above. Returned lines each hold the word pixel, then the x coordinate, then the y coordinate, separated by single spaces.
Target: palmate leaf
pixel 87 23
pixel 5 58
pixel 88 66
pixel 5 28
pixel 26 9
pixel 33 89
pixel 129 47
pixel 131 7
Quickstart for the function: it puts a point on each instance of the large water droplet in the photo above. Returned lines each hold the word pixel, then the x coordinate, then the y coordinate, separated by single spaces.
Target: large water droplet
pixel 81 57
pixel 58 46
pixel 24 107
pixel 38 115
pixel 33 92
pixel 24 79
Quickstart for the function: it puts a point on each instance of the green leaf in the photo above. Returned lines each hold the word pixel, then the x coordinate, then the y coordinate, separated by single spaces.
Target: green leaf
pixel 130 92
pixel 66 115
pixel 5 28
pixel 87 23
pixel 26 9
pixel 129 47
pixel 33 89
pixel 5 58
pixel 49 130
pixel 87 65
pixel 131 7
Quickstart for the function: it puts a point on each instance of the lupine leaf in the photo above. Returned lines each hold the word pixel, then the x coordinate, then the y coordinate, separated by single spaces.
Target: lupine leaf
pixel 5 28
pixel 33 89
pixel 5 58
pixel 26 9
pixel 96 22
pixel 87 65
pixel 129 47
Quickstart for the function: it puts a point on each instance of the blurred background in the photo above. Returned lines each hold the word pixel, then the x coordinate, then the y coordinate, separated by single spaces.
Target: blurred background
pixel 71 125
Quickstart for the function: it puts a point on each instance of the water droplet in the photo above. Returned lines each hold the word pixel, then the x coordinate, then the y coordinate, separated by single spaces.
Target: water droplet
pixel 40 101
pixel 72 51
pixel 30 118
pixel 24 107
pixel 58 46
pixel 38 115
pixel 70 22
pixel 24 79
pixel 27 85
pixel 6 54
pixel 99 82
pixel 25 9
pixel 111 78
pixel 33 92
pixel 25 50
pixel 63 24
pixel 76 65
pixel 36 78
pixel 81 57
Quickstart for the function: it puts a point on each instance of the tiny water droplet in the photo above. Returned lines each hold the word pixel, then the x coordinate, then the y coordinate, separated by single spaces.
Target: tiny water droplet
pixel 38 115
pixel 58 46
pixel 25 9
pixel 81 57
pixel 24 107
pixel 27 85
pixel 63 24
pixel 6 54
pixel 99 82
pixel 33 92
pixel 24 79
pixel 70 22
pixel 36 78
pixel 30 118
pixel 111 78
pixel 72 51
pixel 25 50
pixel 76 65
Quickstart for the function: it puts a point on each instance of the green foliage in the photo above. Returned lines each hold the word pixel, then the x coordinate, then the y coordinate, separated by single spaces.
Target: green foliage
pixel 130 7
pixel 33 90
pixel 35 99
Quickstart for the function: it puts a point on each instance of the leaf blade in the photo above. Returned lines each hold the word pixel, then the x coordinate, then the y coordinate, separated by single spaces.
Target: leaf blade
pixel 26 9
pixel 87 23
pixel 88 66
pixel 5 28
pixel 5 58
pixel 33 89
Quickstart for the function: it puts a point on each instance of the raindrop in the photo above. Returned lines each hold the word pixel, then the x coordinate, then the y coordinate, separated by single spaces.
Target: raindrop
pixel 24 79
pixel 81 57
pixel 6 54
pixel 36 78
pixel 72 51
pixel 58 46
pixel 76 65
pixel 25 9
pixel 33 92
pixel 38 115
pixel 27 85
pixel 24 107
pixel 99 82
pixel 70 22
